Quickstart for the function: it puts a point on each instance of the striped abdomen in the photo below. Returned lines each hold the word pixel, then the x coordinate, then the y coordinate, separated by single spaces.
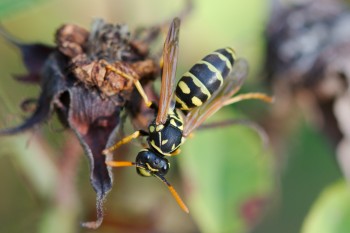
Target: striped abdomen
pixel 205 77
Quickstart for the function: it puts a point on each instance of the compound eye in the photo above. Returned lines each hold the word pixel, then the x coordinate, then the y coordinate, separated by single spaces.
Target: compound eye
pixel 144 157
pixel 156 162
pixel 163 170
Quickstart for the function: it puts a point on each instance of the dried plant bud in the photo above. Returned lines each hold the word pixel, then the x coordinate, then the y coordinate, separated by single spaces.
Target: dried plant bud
pixel 84 81
pixel 140 47
pixel 108 82
pixel 111 43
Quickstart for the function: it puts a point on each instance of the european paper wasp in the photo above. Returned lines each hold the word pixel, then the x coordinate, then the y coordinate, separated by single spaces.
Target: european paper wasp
pixel 207 87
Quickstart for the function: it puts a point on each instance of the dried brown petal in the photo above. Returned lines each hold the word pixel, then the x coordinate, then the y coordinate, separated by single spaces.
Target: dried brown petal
pixel 94 120
pixel 53 83
pixel 33 55
pixel 71 40
pixel 110 83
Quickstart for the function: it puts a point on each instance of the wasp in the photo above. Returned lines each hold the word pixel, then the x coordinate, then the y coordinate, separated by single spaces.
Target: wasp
pixel 207 87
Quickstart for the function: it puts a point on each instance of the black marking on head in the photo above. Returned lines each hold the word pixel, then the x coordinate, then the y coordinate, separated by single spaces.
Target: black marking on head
pixel 151 163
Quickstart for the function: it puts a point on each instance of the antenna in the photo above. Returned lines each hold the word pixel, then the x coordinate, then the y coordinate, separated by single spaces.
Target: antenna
pixel 170 187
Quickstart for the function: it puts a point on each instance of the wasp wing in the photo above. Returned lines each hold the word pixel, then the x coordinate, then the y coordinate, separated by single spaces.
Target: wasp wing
pixel 230 86
pixel 169 58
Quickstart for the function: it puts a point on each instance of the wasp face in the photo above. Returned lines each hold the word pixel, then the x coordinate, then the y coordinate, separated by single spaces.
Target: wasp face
pixel 150 163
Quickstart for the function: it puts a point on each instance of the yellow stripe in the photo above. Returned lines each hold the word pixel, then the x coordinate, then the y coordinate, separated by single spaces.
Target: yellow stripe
pixel 232 51
pixel 198 83
pixel 144 172
pixel 183 105
pixel 158 149
pixel 177 116
pixel 213 69
pixel 151 168
pixel 225 59
pixel 159 127
pixel 172 122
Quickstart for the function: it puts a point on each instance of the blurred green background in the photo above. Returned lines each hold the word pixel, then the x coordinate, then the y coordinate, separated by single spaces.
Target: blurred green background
pixel 229 180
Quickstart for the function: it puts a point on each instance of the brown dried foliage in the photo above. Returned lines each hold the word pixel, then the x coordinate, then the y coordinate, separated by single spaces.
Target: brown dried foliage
pixel 87 97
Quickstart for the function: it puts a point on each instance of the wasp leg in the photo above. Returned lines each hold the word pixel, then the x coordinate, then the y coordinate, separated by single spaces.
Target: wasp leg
pixel 176 152
pixel 120 163
pixel 125 140
pixel 136 82
pixel 248 96
pixel 170 187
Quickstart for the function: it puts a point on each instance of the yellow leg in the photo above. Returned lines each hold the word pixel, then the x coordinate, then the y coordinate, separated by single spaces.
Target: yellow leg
pixel 135 81
pixel 125 140
pixel 170 187
pixel 120 163
pixel 161 62
pixel 176 152
pixel 247 96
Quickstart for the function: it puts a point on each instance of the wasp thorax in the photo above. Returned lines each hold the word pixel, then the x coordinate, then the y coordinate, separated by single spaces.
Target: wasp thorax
pixel 151 163
pixel 166 138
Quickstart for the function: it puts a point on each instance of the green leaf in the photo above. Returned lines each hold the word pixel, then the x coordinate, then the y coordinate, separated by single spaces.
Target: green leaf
pixel 31 159
pixel 331 212
pixel 60 219
pixel 9 6
pixel 228 177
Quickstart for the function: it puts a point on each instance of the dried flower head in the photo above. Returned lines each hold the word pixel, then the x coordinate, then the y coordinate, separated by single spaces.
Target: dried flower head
pixel 77 83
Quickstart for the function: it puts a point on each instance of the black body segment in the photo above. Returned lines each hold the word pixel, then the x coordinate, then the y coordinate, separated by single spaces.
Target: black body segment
pixel 207 74
pixel 217 61
pixel 198 84
pixel 229 53
pixel 187 89
pixel 166 138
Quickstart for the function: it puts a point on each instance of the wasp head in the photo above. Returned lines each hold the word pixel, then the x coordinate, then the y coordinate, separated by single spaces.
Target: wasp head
pixel 150 163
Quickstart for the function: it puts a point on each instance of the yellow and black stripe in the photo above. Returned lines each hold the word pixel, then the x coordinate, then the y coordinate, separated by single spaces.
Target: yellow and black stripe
pixel 204 78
